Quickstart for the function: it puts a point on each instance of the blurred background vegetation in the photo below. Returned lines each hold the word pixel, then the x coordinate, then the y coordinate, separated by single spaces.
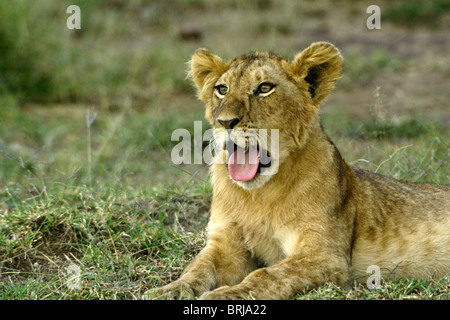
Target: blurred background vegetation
pixel 127 63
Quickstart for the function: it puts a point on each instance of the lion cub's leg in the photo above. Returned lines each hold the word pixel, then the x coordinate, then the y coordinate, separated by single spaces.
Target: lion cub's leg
pixel 285 279
pixel 224 261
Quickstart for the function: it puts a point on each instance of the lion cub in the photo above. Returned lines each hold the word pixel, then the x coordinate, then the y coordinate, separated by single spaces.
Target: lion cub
pixel 304 216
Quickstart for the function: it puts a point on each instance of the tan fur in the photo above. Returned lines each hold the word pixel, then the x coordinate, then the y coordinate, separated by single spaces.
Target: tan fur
pixel 316 219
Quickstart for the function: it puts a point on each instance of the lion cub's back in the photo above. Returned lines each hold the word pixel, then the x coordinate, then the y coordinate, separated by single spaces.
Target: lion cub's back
pixel 404 228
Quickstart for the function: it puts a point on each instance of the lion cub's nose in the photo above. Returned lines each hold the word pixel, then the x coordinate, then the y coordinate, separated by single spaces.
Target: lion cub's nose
pixel 229 124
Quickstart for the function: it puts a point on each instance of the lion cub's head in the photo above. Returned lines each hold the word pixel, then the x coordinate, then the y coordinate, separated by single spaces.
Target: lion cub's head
pixel 263 106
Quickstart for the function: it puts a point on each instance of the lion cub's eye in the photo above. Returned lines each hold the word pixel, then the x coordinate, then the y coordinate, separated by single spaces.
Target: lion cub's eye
pixel 221 90
pixel 264 89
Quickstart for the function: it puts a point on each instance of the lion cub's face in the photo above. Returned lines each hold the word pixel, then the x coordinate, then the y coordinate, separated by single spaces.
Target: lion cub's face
pixel 262 106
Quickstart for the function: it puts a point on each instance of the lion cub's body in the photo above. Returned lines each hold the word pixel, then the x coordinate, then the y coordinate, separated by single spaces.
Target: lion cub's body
pixel 314 219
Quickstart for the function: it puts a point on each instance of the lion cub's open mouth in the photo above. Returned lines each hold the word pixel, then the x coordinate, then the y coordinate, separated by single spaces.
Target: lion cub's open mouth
pixel 245 163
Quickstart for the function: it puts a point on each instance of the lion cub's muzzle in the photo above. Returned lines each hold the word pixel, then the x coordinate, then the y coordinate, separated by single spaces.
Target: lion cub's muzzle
pixel 247 156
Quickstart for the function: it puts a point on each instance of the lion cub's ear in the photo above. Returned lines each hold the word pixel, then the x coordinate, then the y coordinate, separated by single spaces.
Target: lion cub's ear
pixel 204 69
pixel 320 65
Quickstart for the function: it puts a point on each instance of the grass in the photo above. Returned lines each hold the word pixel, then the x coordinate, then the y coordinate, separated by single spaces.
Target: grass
pixel 48 63
pixel 365 69
pixel 94 208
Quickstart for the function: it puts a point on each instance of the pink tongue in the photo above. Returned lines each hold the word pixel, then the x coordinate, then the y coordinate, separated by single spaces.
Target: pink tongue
pixel 242 165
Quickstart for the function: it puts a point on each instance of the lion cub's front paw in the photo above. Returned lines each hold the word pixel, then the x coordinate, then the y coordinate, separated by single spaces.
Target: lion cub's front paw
pixel 172 291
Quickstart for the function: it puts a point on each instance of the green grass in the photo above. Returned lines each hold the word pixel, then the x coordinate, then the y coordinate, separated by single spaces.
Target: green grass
pixel 47 63
pixel 108 203
pixel 389 290
pixel 364 69
pixel 119 240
